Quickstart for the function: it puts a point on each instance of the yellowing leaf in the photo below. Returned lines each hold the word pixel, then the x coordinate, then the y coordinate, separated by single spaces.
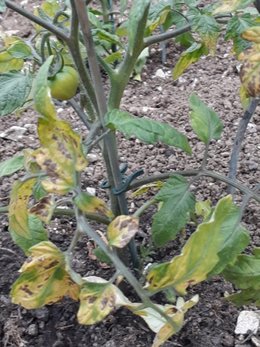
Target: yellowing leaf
pixel 250 70
pixel 44 209
pixel 26 230
pixel 210 248
pixel 252 34
pixel 9 63
pixel 122 230
pixel 91 204
pixel 43 278
pixel 146 187
pixel 98 298
pixel 231 5
pixel 61 155
pixel 158 324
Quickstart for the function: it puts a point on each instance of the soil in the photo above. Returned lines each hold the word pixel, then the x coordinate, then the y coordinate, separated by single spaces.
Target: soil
pixel 212 322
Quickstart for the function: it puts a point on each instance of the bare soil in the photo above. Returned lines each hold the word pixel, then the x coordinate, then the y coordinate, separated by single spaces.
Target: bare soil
pixel 212 322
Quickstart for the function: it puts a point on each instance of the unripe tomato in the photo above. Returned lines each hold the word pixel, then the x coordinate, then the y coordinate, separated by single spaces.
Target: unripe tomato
pixel 64 84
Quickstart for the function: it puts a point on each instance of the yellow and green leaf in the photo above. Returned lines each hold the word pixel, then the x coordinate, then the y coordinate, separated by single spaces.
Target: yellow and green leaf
pixel 225 6
pixel 91 204
pixel 121 230
pixel 44 209
pixel 215 244
pixel 43 278
pixel 98 298
pixel 9 63
pixel 25 228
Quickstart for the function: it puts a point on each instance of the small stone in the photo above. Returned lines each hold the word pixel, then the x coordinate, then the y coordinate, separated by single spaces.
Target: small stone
pixel 247 321
pixel 91 191
pixel 32 330
pixel 159 73
pixel 15 133
pixel 92 158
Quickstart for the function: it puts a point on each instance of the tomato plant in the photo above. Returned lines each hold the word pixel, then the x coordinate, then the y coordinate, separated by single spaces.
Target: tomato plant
pixel 89 38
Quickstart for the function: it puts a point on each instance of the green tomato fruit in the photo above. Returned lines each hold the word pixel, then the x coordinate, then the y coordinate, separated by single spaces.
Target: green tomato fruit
pixel 64 84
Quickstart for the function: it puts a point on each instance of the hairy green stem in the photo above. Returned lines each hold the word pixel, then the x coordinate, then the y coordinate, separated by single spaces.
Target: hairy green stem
pixel 144 207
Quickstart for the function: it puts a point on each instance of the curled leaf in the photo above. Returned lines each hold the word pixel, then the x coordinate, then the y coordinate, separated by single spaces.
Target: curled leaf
pixel 121 230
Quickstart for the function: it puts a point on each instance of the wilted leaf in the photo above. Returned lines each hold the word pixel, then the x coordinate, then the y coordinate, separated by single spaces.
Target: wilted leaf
pixel 10 166
pixel 178 203
pixel 26 230
pixel 190 56
pixel 98 298
pixel 205 122
pixel 14 91
pixel 250 71
pixel 208 29
pixel 210 248
pixel 43 278
pixel 146 187
pixel 231 5
pixel 146 130
pixel 91 204
pixel 252 34
pixel 44 209
pixel 121 230
pixel 158 324
pixel 41 91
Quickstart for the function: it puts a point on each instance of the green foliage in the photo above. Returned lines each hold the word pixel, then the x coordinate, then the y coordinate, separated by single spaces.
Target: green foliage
pixel 146 130
pixel 178 203
pixel 53 170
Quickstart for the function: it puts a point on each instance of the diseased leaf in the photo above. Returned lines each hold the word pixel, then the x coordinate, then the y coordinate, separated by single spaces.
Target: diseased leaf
pixel 206 251
pixel 158 324
pixel 19 49
pixel 204 121
pixel 91 204
pixel 146 130
pixel 250 70
pixel 61 155
pixel 121 230
pixel 26 229
pixel 252 34
pixel 41 91
pixel 231 5
pixel 208 29
pixel 98 298
pixel 188 57
pixel 43 278
pixel 146 187
pixel 178 203
pixel 9 63
pixel 11 165
pixel 14 91
pixel 44 209
pixel 136 24
pixel 203 208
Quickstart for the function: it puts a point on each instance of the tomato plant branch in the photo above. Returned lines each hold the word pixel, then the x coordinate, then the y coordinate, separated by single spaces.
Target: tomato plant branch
pixel 85 228
pixel 46 25
pixel 144 207
pixel 188 173
pixel 239 139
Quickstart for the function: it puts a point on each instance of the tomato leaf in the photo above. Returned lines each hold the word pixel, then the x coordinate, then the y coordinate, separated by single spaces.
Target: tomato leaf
pixel 9 63
pixel 206 252
pixel 250 70
pixel 146 130
pixel 204 121
pixel 10 166
pixel 26 229
pixel 178 203
pixel 41 91
pixel 208 29
pixel 190 56
pixel 224 6
pixel 121 230
pixel 246 297
pixel 43 278
pixel 14 91
pixel 91 204
pixel 98 298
